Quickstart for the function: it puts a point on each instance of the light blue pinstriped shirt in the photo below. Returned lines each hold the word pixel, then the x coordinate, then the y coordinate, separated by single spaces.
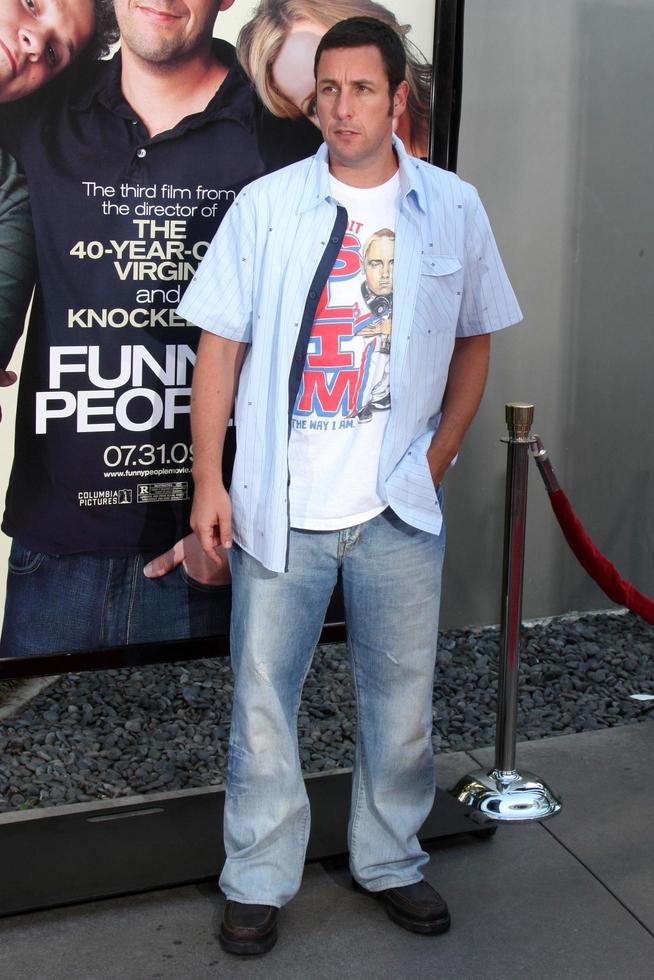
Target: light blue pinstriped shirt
pixel 252 287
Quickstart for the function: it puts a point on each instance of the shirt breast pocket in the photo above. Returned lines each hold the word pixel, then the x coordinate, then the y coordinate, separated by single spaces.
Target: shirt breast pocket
pixel 439 294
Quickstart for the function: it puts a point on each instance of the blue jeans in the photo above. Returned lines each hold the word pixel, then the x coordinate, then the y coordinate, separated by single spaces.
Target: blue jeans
pixel 84 602
pixel 391 576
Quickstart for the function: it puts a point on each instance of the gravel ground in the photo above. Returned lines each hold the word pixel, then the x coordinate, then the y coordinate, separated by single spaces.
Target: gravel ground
pixel 113 733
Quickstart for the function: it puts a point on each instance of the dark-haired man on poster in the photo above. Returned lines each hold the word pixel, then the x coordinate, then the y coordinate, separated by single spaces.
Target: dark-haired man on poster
pixel 314 495
pixel 131 165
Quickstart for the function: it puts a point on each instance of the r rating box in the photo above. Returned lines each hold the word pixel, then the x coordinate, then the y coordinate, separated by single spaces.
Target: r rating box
pixel 161 493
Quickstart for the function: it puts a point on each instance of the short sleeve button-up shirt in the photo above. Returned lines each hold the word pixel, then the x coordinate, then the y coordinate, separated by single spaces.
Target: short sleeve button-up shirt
pixel 252 287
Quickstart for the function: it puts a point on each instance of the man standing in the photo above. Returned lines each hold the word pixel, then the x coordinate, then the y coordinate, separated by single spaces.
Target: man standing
pixel 131 165
pixel 314 495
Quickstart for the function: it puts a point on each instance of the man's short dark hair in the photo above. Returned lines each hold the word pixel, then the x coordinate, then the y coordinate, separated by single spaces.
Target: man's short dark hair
pixel 359 32
pixel 105 32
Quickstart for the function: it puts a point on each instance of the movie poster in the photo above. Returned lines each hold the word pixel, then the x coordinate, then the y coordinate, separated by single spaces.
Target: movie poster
pixel 95 443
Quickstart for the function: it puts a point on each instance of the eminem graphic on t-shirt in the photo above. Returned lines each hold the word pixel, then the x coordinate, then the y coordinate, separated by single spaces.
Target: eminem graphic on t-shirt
pixel 377 292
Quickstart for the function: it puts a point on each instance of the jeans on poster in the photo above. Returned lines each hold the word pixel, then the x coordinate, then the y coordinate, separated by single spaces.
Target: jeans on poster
pixel 85 602
pixel 391 577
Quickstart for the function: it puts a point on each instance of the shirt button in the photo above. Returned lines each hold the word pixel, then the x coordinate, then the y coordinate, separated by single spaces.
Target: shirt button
pixel 335 240
pixel 312 294
pixel 140 153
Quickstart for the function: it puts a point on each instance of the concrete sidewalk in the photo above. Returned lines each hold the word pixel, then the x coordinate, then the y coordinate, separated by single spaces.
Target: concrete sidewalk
pixel 572 899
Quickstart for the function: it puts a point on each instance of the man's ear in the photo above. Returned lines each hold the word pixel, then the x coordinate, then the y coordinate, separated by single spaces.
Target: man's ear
pixel 400 98
pixel 226 4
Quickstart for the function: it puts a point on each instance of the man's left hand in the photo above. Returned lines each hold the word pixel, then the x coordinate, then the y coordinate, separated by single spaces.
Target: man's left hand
pixel 465 385
pixel 199 567
pixel 438 464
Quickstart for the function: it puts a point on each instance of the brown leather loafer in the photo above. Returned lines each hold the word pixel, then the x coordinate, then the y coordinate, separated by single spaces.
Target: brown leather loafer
pixel 418 908
pixel 248 930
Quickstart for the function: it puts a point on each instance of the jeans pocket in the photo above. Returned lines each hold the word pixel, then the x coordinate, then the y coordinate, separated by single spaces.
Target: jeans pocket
pixel 193 583
pixel 22 561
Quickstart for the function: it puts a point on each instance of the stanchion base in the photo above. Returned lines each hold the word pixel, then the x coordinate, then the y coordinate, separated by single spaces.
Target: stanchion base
pixel 509 797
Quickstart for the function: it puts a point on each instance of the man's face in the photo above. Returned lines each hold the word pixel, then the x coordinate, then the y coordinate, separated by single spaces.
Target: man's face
pixel 38 38
pixel 354 106
pixel 378 266
pixel 167 31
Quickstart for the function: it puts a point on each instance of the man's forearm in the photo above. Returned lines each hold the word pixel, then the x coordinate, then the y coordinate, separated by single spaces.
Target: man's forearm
pixel 466 381
pixel 215 380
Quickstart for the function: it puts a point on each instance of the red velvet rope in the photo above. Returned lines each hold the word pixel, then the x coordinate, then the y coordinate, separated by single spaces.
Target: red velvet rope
pixel 593 561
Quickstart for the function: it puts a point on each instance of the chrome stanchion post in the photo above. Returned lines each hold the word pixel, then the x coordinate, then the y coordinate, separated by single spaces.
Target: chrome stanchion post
pixel 504 793
pixel 518 420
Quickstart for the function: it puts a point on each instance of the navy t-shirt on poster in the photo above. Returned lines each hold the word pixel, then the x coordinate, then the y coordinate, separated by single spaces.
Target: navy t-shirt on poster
pixel 103 447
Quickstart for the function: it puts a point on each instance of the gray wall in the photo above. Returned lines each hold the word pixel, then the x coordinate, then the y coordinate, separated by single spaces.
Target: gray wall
pixel 557 135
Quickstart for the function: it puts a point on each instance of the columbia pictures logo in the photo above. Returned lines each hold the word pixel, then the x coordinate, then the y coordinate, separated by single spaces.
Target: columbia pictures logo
pixel 104 498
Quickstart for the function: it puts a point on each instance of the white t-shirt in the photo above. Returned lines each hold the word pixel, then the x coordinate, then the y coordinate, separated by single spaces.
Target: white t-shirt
pixel 343 403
